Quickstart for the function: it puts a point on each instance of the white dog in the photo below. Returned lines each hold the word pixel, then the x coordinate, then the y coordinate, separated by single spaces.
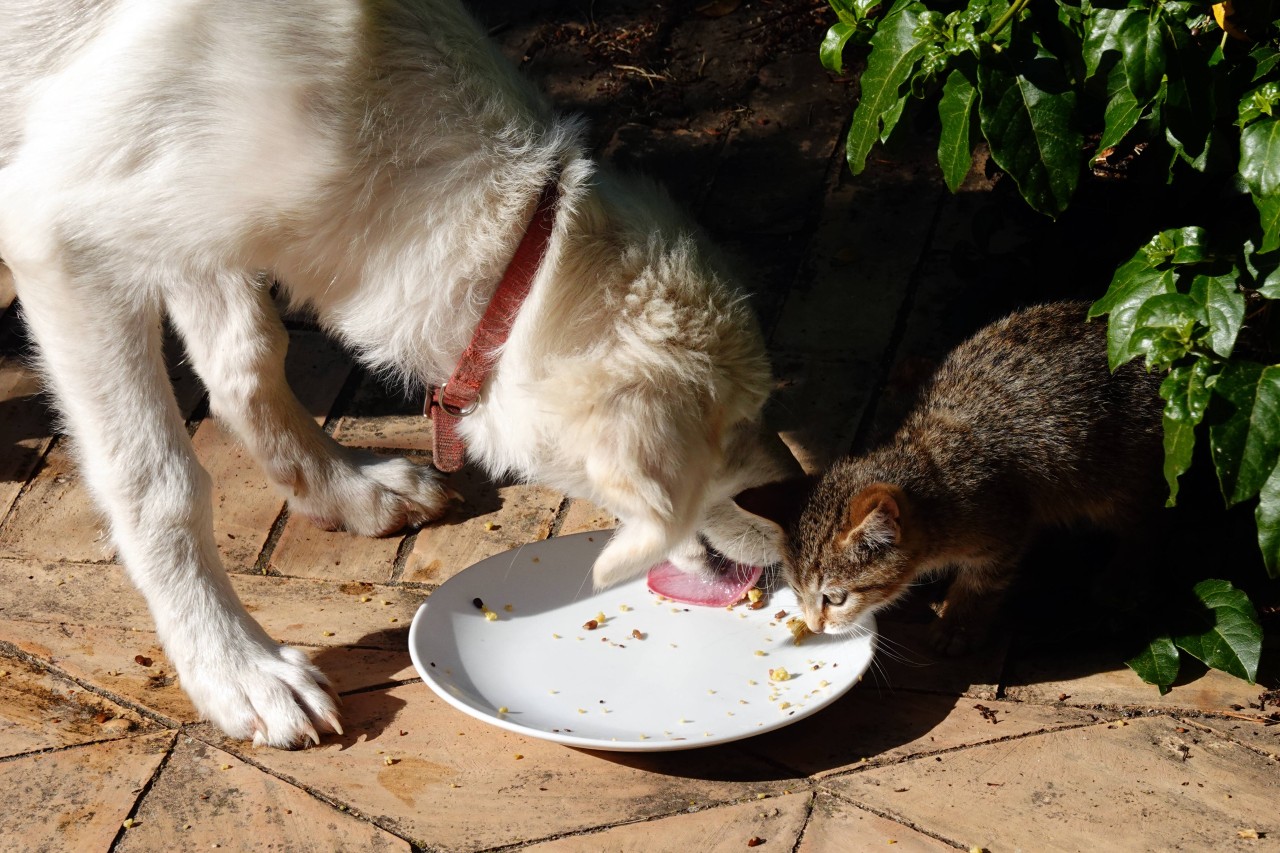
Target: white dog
pixel 382 161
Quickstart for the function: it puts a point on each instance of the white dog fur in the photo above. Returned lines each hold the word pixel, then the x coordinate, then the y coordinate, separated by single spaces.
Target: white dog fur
pixel 380 159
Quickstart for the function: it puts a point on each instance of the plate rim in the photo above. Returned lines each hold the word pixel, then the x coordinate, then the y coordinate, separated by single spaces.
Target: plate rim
pixel 429 677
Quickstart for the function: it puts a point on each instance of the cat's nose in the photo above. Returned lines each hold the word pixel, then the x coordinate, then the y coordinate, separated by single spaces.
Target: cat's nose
pixel 814 623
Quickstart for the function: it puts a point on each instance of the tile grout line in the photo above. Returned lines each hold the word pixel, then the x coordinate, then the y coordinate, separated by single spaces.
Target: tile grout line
pixel 10 650
pixel 602 828
pixel 145 790
pixel 900 820
pixel 808 817
pixel 920 756
pixel 332 802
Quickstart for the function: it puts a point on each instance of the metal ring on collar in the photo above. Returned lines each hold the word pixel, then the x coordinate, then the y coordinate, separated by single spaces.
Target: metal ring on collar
pixel 454 410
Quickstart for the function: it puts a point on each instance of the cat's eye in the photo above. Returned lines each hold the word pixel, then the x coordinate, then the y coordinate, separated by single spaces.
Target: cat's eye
pixel 834 598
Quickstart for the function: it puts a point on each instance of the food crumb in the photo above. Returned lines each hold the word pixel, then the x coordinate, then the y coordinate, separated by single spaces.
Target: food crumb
pixel 758 653
pixel 326 633
pixel 824 683
pixel 624 607
pixel 518 756
pixel 781 614
pixel 637 634
pixel 128 823
pixel 582 710
pixel 388 760
pixel 507 607
pixel 477 604
pixel 365 598
pixel 555 636
pixel 504 709
pixel 601 618
pixel 799 630
pixel 755 841
pixel 779 674
pixel 489 525
pixel 590 625
pixel 225 767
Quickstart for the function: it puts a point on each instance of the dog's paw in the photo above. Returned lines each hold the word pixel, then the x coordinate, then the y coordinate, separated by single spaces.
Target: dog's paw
pixel 375 496
pixel 269 693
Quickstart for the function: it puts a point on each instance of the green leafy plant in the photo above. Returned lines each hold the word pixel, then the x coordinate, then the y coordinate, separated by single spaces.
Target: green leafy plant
pixel 1053 87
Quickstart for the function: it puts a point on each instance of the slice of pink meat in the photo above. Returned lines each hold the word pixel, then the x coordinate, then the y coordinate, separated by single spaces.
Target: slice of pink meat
pixel 727 587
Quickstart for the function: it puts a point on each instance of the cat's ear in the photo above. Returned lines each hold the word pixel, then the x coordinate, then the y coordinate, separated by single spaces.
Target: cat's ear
pixel 874 517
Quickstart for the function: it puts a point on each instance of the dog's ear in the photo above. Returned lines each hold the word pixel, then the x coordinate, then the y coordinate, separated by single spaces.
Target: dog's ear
pixel 781 502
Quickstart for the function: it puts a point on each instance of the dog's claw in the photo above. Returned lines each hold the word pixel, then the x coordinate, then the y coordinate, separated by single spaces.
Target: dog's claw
pixel 331 720
pixel 454 495
pixel 313 735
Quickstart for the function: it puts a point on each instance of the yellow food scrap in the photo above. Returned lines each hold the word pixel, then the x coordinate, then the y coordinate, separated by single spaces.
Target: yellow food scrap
pixel 128 823
pixel 388 760
pixel 758 653
pixel 779 674
pixel 754 594
pixel 326 633
pixel 504 709
pixel 799 630
pixel 782 706
pixel 490 616
pixel 507 607
pixel 489 525
pixel 824 683
pixel 601 618
pixel 624 607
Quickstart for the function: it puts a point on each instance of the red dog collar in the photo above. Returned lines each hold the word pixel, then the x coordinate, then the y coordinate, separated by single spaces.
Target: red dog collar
pixel 457 398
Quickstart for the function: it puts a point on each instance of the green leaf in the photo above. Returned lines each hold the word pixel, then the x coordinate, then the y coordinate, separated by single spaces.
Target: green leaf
pixel 1186 395
pixel 1260 169
pixel 955 110
pixel 1260 157
pixel 1157 664
pixel 1133 284
pixel 1102 36
pixel 1122 113
pixel 1223 305
pixel 1244 435
pixel 1026 116
pixel 1164 327
pixel 1267 516
pixel 1141 41
pixel 894 54
pixel 831 52
pixel 1269 217
pixel 1233 642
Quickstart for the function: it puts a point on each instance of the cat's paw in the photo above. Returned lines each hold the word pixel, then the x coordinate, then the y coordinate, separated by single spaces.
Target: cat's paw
pixel 375 496
pixel 262 691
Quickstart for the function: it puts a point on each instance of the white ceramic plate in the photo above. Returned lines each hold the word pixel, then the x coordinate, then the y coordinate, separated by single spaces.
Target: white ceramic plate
pixel 697 676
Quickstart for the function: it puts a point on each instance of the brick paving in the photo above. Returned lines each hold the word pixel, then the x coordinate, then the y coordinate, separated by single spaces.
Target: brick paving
pixel 857 286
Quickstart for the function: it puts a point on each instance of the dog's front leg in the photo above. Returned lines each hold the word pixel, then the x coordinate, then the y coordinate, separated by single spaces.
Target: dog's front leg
pixel 101 349
pixel 237 343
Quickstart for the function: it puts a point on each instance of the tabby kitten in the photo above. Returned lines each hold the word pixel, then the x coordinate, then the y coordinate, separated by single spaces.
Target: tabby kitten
pixel 1021 428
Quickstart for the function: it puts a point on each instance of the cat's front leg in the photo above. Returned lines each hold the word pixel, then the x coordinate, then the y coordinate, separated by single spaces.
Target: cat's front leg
pixel 968 613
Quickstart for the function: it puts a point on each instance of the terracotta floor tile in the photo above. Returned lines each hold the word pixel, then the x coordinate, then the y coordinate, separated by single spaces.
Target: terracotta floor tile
pixel 127 663
pixel 380 418
pixel 878 726
pixel 817 406
pixel 581 516
pixel 76 593
pixel 1137 786
pixel 324 613
pixel 293 610
pixel 1101 678
pixel 494 519
pixel 76 799
pixel 838 827
pixel 456 784
pixel 40 710
pixel 1257 736
pixel 56 517
pixel 206 798
pixel 245 504
pixel 905 660
pixel 776 822
pixel 850 292
pixel 25 427
pixel 305 551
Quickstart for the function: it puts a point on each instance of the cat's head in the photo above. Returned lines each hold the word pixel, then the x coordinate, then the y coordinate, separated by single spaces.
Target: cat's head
pixel 847 553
